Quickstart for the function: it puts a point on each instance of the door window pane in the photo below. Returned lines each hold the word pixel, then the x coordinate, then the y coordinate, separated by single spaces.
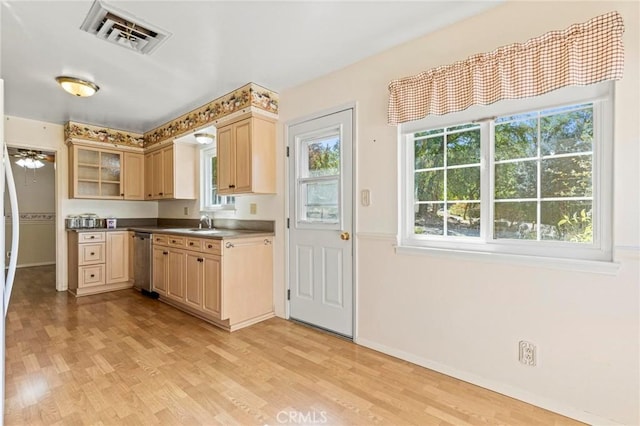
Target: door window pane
pixel 322 157
pixel 320 201
pixel 319 178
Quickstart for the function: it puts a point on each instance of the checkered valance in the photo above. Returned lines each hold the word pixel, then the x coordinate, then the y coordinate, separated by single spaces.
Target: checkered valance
pixel 579 55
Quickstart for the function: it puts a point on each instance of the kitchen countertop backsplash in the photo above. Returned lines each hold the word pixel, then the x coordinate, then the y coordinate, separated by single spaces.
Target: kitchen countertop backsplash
pixel 241 226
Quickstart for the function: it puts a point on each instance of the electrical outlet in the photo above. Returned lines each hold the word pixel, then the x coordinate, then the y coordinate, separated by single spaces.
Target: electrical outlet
pixel 186 211
pixel 253 208
pixel 527 353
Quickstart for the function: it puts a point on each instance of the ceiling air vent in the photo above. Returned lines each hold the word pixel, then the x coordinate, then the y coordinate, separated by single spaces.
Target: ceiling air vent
pixel 113 25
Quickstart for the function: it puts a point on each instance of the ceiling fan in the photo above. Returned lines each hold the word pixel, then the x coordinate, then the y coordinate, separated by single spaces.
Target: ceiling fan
pixel 31 159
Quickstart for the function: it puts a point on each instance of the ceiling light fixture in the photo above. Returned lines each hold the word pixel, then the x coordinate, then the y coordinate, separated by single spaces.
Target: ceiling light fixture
pixel 30 159
pixel 30 163
pixel 204 138
pixel 76 86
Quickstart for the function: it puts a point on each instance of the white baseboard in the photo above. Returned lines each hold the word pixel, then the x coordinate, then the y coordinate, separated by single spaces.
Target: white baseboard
pixel 501 388
pixel 29 265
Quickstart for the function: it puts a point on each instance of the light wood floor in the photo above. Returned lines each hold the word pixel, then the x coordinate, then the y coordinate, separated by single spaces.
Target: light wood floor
pixel 120 358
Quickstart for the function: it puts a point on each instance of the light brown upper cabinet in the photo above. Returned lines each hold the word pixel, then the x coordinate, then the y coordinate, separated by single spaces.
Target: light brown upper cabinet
pixel 133 176
pixel 246 156
pixel 105 173
pixel 171 172
pixel 148 176
pixel 95 172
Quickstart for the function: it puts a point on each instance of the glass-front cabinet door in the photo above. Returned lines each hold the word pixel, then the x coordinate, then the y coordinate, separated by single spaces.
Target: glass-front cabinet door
pixel 97 173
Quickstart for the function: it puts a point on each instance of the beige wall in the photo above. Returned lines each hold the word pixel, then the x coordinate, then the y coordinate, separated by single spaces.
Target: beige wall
pixel 465 317
pixel 21 132
pixel 36 203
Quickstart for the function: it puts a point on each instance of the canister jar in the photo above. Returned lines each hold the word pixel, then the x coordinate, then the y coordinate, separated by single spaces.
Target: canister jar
pixel 88 220
pixel 72 222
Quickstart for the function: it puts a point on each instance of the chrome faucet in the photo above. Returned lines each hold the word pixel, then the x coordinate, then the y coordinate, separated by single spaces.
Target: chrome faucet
pixel 208 220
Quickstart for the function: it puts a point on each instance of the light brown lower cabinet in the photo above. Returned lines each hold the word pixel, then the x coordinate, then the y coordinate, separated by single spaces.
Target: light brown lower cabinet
pixel 98 261
pixel 176 279
pixel 160 265
pixel 211 268
pixel 210 278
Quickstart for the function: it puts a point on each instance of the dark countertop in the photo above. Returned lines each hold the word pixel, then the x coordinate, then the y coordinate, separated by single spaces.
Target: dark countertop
pixel 219 234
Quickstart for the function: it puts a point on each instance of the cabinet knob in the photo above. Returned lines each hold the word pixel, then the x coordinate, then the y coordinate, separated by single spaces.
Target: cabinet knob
pixel 209 246
pixel 92 275
pixel 200 259
pixel 92 237
pixel 232 186
pixel 160 193
pixel 191 243
pixel 149 195
pixel 165 252
pixel 173 241
pixel 122 195
pixel 93 254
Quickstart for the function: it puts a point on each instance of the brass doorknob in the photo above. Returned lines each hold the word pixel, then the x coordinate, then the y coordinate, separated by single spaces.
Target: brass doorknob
pixel 345 236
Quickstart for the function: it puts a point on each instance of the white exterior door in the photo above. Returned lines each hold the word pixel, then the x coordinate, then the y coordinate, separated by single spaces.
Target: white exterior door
pixel 320 222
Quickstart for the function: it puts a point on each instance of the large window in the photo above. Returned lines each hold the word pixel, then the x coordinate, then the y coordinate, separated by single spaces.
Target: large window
pixel 209 198
pixel 535 182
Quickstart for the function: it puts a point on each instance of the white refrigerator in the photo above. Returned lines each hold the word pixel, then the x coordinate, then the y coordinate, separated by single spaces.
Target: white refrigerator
pixel 6 281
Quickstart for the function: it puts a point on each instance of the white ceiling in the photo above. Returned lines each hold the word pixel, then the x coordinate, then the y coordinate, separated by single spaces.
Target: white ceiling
pixel 215 47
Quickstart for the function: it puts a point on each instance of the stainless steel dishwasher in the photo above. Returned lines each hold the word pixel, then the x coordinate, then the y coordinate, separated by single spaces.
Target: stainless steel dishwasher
pixel 142 267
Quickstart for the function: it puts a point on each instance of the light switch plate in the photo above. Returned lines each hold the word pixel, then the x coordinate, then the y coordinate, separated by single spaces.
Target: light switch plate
pixel 186 211
pixel 365 197
pixel 253 208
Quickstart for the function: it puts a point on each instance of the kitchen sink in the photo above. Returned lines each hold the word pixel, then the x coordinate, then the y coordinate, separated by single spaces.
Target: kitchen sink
pixel 196 230
pixel 206 231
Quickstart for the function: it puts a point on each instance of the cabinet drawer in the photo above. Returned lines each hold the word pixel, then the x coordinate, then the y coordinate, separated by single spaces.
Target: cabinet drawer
pixel 90 237
pixel 194 244
pixel 176 241
pixel 89 276
pixel 212 246
pixel 160 240
pixel 90 253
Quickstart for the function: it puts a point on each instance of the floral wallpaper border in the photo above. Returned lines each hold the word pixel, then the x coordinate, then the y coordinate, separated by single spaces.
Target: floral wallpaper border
pixel 249 95
pixel 101 134
pixel 34 217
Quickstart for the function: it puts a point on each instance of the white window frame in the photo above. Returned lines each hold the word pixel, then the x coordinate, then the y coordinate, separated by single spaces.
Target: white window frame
pixel 206 204
pixel 601 95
